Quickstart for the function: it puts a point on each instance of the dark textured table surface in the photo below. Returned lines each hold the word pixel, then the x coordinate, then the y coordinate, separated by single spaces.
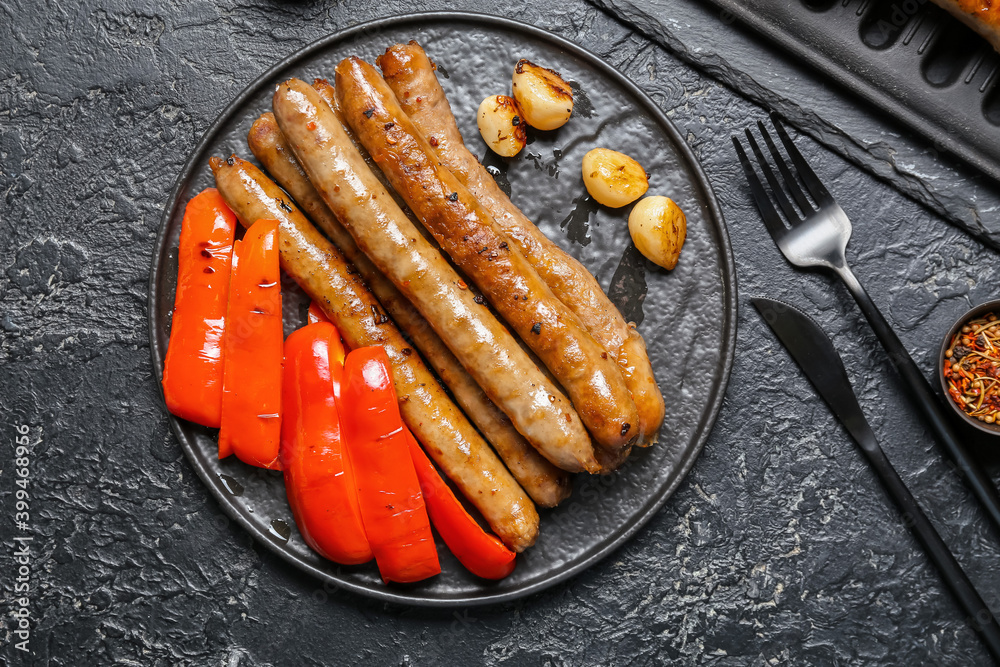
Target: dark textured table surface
pixel 779 547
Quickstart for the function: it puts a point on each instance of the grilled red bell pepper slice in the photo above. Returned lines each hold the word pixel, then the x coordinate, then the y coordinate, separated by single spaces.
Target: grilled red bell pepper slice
pixel 482 554
pixel 392 508
pixel 319 478
pixel 316 314
pixel 251 396
pixel 192 371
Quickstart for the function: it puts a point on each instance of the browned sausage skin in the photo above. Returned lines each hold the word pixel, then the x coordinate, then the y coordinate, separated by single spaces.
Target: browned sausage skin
pixel 410 74
pixel 546 484
pixel 468 233
pixel 329 95
pixel 323 273
pixel 487 351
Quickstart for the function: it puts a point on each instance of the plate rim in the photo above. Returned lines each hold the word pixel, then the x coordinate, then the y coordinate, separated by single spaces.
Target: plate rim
pixel 729 302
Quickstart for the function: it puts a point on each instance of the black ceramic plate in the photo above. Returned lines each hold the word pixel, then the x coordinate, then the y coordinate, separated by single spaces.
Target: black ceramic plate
pixel 688 316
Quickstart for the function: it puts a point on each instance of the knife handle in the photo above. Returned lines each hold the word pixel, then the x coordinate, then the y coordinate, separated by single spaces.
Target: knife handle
pixel 921 393
pixel 978 614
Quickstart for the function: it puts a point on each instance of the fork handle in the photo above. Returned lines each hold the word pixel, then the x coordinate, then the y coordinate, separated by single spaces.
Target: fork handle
pixel 921 393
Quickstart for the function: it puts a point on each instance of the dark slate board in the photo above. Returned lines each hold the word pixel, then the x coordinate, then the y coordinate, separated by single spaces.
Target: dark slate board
pixel 779 547
pixel 915 62
pixel 716 43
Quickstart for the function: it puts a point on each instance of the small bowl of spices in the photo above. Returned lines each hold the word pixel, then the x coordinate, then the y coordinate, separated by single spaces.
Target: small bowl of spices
pixel 970 367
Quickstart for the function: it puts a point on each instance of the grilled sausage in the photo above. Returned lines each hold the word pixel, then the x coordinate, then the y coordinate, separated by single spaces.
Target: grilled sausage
pixel 490 354
pixel 410 74
pixel 319 269
pixel 468 233
pixel 329 95
pixel 545 483
pixel 327 91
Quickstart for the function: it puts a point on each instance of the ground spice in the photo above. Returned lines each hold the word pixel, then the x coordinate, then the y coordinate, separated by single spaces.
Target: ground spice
pixel 972 368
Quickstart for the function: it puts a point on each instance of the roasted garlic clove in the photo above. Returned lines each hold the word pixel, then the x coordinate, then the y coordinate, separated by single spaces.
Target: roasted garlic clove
pixel 612 178
pixel 501 122
pixel 545 97
pixel 658 227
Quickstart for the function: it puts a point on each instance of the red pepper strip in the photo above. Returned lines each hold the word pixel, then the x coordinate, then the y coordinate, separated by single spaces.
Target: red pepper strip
pixel 316 314
pixel 251 396
pixel 192 372
pixel 319 479
pixel 482 554
pixel 392 508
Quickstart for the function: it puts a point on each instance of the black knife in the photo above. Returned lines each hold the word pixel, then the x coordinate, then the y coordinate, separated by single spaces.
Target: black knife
pixel 813 351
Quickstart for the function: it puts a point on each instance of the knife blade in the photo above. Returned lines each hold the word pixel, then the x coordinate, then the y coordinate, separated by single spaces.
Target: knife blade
pixel 813 351
pixel 815 354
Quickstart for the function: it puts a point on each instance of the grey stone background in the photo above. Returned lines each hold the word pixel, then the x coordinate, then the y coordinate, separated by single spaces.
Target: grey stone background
pixel 779 548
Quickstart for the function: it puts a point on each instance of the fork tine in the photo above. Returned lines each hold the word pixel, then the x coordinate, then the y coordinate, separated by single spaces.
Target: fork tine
pixel 793 185
pixel 776 191
pixel 815 186
pixel 775 227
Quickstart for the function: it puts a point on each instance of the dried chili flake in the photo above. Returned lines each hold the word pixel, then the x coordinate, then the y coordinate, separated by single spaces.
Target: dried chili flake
pixel 972 368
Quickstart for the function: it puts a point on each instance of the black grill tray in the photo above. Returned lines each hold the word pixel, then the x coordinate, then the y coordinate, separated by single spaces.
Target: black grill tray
pixel 909 57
